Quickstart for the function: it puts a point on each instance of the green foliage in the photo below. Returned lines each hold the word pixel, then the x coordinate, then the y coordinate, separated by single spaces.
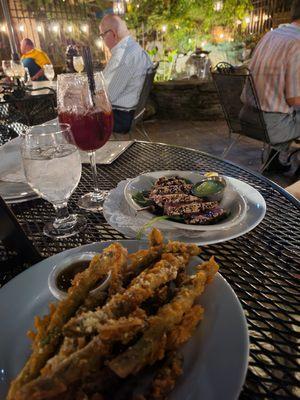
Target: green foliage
pixel 192 13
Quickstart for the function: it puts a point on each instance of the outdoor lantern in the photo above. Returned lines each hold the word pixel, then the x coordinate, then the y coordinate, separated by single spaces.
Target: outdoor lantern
pixel 218 5
pixel 119 7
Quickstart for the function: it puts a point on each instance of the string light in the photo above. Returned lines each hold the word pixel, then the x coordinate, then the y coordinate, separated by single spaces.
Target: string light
pixel 21 28
pixel 39 28
pixel 119 7
pixel 164 28
pixel 238 22
pixel 85 28
pixel 265 17
pixel 55 28
pixel 221 35
pixel 247 20
pixel 70 28
pixel 3 28
pixel 218 5
pixel 255 19
pixel 99 43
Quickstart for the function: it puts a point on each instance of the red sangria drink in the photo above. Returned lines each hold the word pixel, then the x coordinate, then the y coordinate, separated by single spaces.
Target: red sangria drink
pixel 91 130
pixel 91 120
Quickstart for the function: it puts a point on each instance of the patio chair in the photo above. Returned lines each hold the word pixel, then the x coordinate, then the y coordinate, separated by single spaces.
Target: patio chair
pixel 232 84
pixel 14 240
pixel 138 122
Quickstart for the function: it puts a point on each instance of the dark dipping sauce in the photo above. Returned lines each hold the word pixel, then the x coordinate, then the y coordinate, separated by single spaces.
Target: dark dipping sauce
pixel 65 277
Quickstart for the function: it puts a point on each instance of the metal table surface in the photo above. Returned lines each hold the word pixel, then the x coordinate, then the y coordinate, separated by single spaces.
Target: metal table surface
pixel 261 266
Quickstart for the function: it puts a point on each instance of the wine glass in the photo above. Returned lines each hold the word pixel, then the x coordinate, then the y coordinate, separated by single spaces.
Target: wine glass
pixel 18 69
pixel 6 66
pixel 52 167
pixel 49 72
pixel 91 121
pixel 78 63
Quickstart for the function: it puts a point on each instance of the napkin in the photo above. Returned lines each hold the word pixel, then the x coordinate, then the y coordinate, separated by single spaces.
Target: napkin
pixel 11 166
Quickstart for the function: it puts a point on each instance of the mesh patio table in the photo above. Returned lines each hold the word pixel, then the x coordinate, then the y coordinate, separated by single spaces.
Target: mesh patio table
pixel 262 266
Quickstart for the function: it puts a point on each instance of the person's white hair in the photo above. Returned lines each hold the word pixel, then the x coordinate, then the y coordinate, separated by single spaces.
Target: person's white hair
pixel 111 21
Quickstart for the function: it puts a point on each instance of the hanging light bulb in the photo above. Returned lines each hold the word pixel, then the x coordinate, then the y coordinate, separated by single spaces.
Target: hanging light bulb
pixel 238 22
pixel 255 19
pixel 21 28
pixel 164 28
pixel 265 17
pixel 85 28
pixel 119 7
pixel 247 20
pixel 55 28
pixel 99 43
pixel 70 28
pixel 218 5
pixel 3 28
pixel 39 28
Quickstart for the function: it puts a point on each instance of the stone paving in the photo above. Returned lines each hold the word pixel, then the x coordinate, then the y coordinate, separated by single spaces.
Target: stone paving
pixel 211 137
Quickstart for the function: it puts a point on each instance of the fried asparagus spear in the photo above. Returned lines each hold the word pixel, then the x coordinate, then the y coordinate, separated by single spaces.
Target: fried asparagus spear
pixel 185 329
pixel 166 377
pixel 141 288
pixel 44 347
pixel 82 362
pixel 151 346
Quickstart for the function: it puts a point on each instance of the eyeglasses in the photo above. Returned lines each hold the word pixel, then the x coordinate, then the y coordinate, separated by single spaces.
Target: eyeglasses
pixel 104 33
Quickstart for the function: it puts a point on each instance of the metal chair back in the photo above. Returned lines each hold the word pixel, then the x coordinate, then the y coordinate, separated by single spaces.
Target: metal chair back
pixel 236 89
pixel 147 86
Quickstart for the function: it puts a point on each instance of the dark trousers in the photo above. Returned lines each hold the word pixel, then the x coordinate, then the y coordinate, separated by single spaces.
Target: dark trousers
pixel 122 120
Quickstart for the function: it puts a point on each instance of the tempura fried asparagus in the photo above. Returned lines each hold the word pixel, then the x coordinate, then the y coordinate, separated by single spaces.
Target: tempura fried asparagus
pixel 143 287
pixel 149 348
pixel 166 377
pixel 45 346
pixel 82 362
pixel 185 329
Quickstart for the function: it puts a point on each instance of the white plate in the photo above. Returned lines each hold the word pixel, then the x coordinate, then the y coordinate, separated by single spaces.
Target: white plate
pixel 216 358
pixel 126 220
pixel 232 200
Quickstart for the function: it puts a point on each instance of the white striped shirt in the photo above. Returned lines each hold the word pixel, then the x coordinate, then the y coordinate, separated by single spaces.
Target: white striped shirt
pixel 275 67
pixel 125 73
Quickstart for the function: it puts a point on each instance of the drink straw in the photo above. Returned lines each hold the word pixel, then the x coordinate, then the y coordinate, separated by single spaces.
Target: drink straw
pixel 88 64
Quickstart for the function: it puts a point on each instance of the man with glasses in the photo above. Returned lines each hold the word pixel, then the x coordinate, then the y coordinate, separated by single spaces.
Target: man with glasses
pixel 125 71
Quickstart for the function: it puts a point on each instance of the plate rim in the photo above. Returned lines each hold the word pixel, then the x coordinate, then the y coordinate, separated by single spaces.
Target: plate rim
pixel 243 331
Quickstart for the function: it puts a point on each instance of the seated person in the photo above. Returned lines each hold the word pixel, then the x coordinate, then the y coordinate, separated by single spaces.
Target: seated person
pixel 275 69
pixel 34 60
pixel 125 71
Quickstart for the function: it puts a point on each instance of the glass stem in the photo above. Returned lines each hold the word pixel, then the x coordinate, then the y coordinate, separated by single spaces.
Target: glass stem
pixel 62 216
pixel 92 156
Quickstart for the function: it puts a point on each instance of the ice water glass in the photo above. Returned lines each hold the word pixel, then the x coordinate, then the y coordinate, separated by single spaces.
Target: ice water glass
pixel 52 167
pixel 6 66
pixel 49 72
